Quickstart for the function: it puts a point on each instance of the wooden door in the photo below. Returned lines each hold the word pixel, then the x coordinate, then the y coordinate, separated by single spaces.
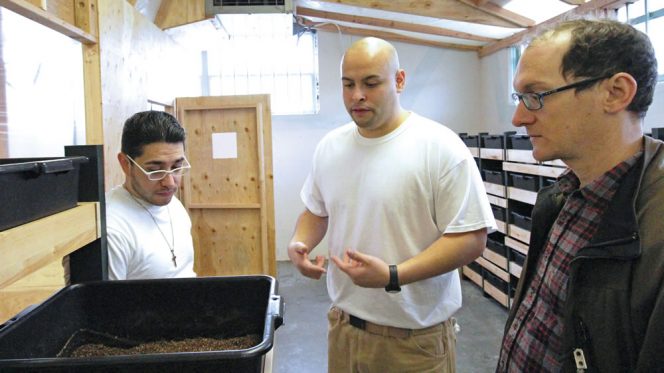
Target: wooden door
pixel 229 191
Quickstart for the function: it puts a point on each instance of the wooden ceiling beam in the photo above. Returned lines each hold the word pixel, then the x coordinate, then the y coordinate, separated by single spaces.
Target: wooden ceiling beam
pixel 387 36
pixel 591 6
pixel 500 12
pixel 443 9
pixel 381 22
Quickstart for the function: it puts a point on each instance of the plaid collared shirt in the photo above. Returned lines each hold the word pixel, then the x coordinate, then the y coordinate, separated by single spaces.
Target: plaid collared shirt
pixel 533 341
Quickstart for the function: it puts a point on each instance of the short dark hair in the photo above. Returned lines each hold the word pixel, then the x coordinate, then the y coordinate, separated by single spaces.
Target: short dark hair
pixel 606 47
pixel 148 127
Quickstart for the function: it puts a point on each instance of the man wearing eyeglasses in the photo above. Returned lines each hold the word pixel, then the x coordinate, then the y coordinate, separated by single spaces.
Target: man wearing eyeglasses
pixel 148 229
pixel 590 296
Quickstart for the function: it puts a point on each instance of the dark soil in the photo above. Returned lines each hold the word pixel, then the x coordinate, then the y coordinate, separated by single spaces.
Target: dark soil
pixel 158 347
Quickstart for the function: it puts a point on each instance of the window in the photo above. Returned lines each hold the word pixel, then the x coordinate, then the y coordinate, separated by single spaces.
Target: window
pixel 41 90
pixel 648 16
pixel 259 53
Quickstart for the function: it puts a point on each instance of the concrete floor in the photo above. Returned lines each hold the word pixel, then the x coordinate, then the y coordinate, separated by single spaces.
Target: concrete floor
pixel 301 343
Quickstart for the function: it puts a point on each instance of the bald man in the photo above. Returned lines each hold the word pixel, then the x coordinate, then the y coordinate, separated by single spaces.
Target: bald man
pixel 403 204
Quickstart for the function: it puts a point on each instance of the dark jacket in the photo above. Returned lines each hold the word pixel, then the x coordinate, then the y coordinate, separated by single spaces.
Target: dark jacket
pixel 615 296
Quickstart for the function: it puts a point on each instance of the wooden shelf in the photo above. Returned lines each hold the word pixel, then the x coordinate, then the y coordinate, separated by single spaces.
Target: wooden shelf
pixel 515 269
pixel 473 276
pixel 521 195
pixel 498 201
pixel 496 294
pixel 495 189
pixel 495 154
pixel 518 155
pixel 517 245
pixel 519 233
pixel 475 152
pixel 29 247
pixel 499 272
pixel 495 258
pixel 533 169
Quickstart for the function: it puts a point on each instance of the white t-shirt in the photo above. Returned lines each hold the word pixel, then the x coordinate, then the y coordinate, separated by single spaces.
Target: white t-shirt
pixel 392 197
pixel 136 248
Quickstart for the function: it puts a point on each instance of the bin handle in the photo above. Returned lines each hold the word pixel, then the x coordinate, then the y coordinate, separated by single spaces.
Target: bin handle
pixel 59 165
pixel 276 310
pixel 18 316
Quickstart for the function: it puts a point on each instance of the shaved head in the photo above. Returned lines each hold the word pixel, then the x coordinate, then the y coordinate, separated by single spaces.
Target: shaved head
pixel 373 50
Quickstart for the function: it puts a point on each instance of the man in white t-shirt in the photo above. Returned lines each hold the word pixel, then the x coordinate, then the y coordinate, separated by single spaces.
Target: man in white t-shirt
pixel 148 229
pixel 403 205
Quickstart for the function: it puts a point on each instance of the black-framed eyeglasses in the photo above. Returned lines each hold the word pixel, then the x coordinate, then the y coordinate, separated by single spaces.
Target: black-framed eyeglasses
pixel 161 174
pixel 534 100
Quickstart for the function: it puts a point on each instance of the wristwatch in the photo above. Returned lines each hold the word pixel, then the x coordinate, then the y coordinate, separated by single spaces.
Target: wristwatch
pixel 393 285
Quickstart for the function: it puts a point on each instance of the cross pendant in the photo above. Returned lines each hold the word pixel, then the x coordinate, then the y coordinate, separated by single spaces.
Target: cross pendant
pixel 175 263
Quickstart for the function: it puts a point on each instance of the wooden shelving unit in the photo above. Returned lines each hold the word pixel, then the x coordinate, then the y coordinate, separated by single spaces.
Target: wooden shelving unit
pixel 44 255
pixel 511 178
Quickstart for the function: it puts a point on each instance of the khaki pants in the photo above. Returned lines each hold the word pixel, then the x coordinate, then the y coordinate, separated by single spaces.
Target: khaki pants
pixel 383 349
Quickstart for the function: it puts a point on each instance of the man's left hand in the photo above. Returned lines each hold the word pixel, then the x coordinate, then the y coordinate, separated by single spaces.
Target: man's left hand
pixel 365 270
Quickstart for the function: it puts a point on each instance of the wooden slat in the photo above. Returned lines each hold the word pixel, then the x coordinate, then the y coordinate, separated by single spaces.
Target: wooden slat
pixel 495 258
pixel 173 13
pixel 502 13
pixel 501 202
pixel 473 276
pixel 522 195
pixel 517 245
pixel 49 20
pixel 489 153
pixel 501 226
pixel 475 152
pixel 495 189
pixel 445 9
pixel 519 233
pixel 389 36
pixel 589 7
pixel 533 169
pixel 31 289
pixel 496 294
pixel 520 155
pixel 396 25
pixel 515 269
pixel 501 273
pixel 26 248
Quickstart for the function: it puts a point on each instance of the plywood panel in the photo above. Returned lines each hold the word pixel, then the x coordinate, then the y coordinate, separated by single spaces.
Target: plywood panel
pixel 227 242
pixel 233 180
pixel 230 199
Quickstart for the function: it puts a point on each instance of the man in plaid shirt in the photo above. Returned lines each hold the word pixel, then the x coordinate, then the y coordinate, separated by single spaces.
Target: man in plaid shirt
pixel 590 296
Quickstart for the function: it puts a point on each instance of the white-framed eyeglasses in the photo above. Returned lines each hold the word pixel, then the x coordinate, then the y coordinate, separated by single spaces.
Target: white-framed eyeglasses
pixel 161 174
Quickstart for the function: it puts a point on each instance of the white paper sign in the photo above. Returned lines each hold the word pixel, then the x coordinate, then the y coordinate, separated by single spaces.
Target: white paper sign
pixel 224 145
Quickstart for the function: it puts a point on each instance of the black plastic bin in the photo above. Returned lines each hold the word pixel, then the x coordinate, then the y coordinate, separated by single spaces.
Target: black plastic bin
pixel 33 188
pixel 522 221
pixel 497 247
pixel 495 177
pixel 471 141
pixel 526 182
pixel 519 142
pixel 658 133
pixel 517 257
pixel 498 212
pixel 147 311
pixel 493 141
pixel 496 281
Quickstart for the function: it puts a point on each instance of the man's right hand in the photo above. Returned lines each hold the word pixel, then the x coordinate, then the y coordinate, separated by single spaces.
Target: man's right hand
pixel 298 253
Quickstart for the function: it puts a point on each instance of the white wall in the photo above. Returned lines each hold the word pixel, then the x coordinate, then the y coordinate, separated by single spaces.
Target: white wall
pixel 440 84
pixel 497 109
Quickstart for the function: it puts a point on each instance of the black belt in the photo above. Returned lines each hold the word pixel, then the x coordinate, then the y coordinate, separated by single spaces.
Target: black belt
pixel 357 322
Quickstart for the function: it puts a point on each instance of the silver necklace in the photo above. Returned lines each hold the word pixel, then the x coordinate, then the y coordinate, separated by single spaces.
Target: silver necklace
pixel 171 245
